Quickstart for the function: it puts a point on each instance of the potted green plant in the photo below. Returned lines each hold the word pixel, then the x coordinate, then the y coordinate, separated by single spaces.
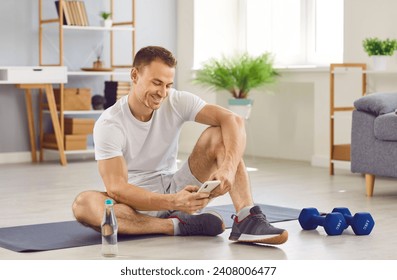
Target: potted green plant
pixel 238 74
pixel 107 20
pixel 379 50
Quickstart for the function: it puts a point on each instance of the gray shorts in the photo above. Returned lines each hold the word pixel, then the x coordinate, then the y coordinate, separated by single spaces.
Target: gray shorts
pixel 169 183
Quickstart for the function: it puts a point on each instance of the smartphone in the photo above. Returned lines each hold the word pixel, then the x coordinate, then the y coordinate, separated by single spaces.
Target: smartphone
pixel 209 186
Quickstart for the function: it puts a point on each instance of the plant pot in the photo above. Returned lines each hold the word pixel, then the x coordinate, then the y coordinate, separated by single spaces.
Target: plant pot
pixel 241 107
pixel 379 62
pixel 107 23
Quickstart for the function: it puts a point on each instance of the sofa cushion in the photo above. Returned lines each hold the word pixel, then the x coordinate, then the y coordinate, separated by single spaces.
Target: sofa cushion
pixel 377 103
pixel 385 127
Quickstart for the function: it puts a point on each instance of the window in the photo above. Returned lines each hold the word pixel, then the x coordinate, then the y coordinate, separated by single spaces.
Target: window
pixel 215 28
pixel 295 31
pixel 325 40
pixel 273 27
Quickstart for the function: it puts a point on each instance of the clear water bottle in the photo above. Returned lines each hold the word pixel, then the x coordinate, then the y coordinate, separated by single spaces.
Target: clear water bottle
pixel 109 231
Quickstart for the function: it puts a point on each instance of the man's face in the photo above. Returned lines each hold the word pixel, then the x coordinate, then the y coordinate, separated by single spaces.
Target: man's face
pixel 152 83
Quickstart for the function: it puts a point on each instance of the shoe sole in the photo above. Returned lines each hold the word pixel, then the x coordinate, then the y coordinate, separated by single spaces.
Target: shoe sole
pixel 274 240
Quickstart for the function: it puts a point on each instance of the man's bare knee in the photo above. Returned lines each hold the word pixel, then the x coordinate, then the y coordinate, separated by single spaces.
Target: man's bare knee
pixel 211 141
pixel 207 153
pixel 78 205
pixel 83 204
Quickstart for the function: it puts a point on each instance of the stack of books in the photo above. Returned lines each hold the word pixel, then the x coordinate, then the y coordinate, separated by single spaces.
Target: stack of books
pixel 74 13
pixel 123 88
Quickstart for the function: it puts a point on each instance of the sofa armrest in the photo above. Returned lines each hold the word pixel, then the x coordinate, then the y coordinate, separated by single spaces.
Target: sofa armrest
pixel 377 103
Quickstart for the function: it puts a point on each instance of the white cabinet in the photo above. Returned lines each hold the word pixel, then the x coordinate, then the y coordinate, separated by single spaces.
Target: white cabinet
pixel 33 75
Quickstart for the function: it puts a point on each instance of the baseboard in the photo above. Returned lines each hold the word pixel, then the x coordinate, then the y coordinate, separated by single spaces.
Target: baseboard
pixel 18 157
pixel 323 161
pixel 25 157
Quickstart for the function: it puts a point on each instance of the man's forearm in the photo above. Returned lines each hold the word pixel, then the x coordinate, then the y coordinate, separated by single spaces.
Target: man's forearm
pixel 115 177
pixel 141 199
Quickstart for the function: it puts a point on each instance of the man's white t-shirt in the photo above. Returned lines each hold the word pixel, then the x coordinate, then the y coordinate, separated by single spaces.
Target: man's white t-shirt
pixel 149 148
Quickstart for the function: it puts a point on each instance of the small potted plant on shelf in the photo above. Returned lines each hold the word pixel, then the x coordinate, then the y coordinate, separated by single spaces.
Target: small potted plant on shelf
pixel 238 74
pixel 107 20
pixel 379 50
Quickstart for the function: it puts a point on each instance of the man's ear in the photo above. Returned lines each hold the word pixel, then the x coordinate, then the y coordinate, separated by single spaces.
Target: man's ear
pixel 134 74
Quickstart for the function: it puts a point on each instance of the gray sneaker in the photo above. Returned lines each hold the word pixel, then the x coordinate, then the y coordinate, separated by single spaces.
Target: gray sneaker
pixel 256 229
pixel 208 223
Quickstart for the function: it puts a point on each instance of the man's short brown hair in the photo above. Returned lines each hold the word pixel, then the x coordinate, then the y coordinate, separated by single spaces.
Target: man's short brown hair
pixel 149 54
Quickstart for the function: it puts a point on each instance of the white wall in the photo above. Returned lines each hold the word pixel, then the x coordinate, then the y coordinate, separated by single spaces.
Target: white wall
pixel 18 46
pixel 367 18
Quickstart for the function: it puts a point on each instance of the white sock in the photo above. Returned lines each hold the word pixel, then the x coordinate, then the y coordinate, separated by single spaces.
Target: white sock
pixel 245 212
pixel 176 222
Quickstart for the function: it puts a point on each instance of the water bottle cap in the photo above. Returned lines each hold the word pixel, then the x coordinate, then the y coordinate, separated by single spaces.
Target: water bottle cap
pixel 108 202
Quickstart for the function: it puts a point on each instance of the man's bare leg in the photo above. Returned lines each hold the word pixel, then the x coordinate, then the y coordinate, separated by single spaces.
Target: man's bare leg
pixel 88 209
pixel 208 155
pixel 250 224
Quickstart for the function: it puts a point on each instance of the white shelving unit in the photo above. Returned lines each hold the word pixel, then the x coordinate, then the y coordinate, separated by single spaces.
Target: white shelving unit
pixel 118 70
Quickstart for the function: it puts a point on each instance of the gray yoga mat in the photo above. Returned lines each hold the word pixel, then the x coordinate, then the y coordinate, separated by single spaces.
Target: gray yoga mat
pixel 273 213
pixel 69 234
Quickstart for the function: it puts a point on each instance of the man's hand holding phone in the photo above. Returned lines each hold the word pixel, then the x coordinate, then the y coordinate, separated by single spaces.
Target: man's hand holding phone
pixel 209 186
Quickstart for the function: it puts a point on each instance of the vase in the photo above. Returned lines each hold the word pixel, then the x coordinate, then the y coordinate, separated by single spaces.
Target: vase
pixel 379 62
pixel 107 23
pixel 241 106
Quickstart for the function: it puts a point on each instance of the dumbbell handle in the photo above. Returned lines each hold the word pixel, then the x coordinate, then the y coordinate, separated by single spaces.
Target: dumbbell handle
pixel 348 219
pixel 318 219
pixel 335 227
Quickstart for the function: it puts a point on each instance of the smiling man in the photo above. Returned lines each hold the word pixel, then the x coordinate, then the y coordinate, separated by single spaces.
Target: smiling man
pixel 136 146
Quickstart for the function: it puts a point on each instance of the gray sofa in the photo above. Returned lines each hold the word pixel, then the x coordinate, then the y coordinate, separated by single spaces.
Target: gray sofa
pixel 374 137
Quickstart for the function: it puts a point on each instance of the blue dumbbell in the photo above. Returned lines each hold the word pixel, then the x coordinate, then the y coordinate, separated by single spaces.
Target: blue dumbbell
pixel 362 223
pixel 333 223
